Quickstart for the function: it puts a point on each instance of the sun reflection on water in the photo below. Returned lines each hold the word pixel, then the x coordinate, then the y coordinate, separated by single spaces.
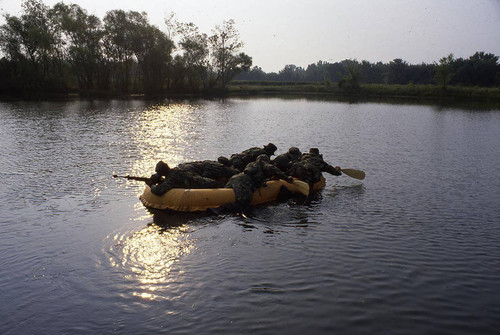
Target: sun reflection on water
pixel 150 256
pixel 163 132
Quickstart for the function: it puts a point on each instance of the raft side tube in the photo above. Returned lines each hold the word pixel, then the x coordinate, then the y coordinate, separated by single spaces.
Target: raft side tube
pixel 192 200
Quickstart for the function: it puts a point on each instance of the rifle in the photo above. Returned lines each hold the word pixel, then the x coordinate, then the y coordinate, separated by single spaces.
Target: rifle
pixel 144 179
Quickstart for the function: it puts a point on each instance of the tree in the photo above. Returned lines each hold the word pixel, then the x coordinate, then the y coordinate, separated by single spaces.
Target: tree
pixel 152 49
pixel 372 73
pixel 397 72
pixel 192 64
pixel 256 73
pixel 31 42
pixel 351 81
pixel 225 59
pixel 117 48
pixel 443 71
pixel 82 35
pixel 480 69
pixel 292 72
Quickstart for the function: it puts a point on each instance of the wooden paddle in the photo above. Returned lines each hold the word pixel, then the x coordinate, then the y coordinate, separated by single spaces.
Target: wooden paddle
pixel 302 186
pixel 353 173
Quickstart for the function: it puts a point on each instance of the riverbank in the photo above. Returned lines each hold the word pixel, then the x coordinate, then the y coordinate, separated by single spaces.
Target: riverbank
pixel 369 91
pixel 366 92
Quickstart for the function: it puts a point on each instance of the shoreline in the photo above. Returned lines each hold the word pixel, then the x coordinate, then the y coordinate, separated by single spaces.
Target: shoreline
pixel 366 93
pixel 373 91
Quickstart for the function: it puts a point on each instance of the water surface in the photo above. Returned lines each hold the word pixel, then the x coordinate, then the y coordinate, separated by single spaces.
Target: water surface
pixel 412 249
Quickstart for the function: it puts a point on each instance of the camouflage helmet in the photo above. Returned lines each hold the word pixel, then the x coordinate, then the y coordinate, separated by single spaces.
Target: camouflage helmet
pixel 294 152
pixel 237 162
pixel 314 151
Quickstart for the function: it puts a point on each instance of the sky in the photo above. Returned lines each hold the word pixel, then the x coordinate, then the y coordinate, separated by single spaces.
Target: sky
pixel 282 32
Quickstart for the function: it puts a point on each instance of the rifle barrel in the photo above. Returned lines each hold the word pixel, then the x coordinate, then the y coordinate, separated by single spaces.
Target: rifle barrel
pixel 144 179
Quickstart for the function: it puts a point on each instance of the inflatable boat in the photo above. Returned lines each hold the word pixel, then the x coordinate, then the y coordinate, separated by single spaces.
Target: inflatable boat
pixel 192 200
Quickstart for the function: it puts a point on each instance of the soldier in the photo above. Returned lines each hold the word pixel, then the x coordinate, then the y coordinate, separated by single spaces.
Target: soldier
pixel 240 161
pixel 224 160
pixel 210 169
pixel 166 178
pixel 254 176
pixel 310 167
pixel 284 161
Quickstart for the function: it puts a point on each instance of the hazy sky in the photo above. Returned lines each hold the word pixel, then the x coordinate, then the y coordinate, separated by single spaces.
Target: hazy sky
pixel 281 32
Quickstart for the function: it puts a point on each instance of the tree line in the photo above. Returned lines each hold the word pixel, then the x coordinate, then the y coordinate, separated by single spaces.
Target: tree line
pixel 62 48
pixel 481 69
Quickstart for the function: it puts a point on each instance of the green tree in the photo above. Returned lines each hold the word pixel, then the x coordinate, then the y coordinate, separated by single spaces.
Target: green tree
pixel 131 42
pixel 192 64
pixel 397 72
pixel 152 49
pixel 480 69
pixel 31 42
pixel 256 73
pixel 225 59
pixel 351 81
pixel 83 48
pixel 117 42
pixel 291 72
pixel 372 73
pixel 443 71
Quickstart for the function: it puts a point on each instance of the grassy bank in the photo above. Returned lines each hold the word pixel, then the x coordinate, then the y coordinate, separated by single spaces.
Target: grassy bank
pixel 368 91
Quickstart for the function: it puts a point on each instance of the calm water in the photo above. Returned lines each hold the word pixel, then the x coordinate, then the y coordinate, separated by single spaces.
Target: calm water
pixel 412 249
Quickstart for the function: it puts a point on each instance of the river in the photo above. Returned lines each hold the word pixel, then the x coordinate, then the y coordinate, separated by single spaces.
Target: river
pixel 412 249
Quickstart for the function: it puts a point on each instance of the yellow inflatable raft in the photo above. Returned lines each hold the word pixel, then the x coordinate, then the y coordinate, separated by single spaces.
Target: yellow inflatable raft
pixel 192 200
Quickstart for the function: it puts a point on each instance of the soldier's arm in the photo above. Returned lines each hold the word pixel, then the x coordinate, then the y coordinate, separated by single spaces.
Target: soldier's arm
pixel 331 170
pixel 275 171
pixel 162 188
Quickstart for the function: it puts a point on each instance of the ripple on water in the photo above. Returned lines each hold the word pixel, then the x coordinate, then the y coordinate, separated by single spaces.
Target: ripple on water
pixel 413 248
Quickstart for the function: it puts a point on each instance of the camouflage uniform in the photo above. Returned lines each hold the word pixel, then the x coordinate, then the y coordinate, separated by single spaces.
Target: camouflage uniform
pixel 310 167
pixel 210 169
pixel 241 160
pixel 284 161
pixel 178 178
pixel 254 176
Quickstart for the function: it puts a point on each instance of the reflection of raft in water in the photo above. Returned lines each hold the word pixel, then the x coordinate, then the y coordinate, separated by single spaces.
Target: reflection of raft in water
pixel 192 200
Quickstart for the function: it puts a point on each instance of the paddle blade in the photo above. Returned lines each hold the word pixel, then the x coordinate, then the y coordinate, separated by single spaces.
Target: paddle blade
pixel 353 173
pixel 302 187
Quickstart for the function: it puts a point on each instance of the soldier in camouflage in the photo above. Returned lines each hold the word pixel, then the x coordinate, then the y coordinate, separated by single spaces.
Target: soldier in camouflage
pixel 210 169
pixel 285 160
pixel 254 176
pixel 311 165
pixel 241 160
pixel 166 178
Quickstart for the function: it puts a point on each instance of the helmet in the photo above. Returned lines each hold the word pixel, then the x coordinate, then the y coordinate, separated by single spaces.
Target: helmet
pixel 294 152
pixel 237 162
pixel 162 168
pixel 314 151
pixel 270 149
pixel 223 160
